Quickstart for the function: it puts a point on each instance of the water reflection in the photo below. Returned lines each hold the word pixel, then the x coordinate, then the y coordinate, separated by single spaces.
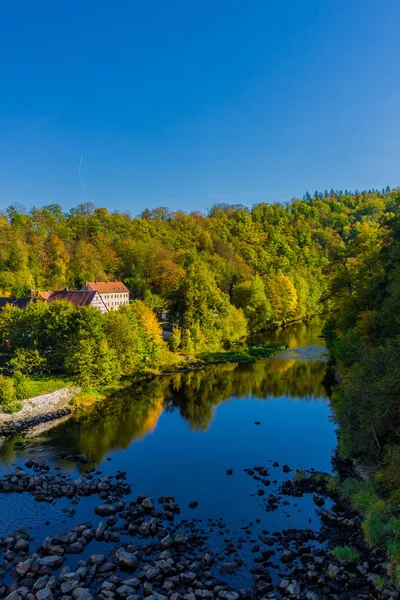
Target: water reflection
pixel 133 413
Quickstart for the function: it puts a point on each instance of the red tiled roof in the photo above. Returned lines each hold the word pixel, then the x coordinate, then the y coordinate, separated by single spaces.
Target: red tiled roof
pixel 107 287
pixel 44 295
pixel 76 298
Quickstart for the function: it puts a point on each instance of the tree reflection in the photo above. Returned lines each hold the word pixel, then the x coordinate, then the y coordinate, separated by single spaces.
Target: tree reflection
pixel 132 413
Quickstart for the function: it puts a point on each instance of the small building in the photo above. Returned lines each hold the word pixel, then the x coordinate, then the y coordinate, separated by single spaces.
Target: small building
pixel 19 302
pixel 113 293
pixel 79 298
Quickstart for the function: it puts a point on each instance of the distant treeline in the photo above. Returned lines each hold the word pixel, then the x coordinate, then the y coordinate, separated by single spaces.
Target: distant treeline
pixel 219 275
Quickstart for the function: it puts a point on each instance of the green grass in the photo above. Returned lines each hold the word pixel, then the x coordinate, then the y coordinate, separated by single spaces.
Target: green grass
pixel 381 526
pixel 345 555
pixel 226 357
pixel 265 350
pixel 45 384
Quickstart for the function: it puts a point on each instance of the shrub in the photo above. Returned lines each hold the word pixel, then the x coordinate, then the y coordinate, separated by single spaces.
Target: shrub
pixel 376 530
pixel 361 493
pixel 8 398
pixel 28 361
pixel 176 338
pixel 20 385
pixel 345 555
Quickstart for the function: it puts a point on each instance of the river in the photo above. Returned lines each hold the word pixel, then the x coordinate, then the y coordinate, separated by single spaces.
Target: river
pixel 180 434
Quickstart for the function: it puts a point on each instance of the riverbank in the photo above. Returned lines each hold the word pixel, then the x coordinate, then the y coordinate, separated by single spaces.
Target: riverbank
pixel 37 411
pixel 137 547
pixel 57 404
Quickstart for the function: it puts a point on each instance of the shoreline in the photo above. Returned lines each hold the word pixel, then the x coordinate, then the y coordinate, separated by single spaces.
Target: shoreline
pixel 148 550
pixel 37 411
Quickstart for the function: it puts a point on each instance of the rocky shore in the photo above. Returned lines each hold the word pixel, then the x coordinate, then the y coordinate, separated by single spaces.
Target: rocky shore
pixel 36 411
pixel 142 548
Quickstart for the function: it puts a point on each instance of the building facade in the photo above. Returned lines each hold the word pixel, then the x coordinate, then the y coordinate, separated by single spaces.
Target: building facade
pixel 79 298
pixel 113 293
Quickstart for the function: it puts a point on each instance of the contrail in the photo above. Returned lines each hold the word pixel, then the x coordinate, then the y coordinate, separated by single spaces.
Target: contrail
pixel 80 173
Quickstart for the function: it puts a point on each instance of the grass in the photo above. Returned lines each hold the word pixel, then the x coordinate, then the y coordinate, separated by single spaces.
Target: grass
pixel 265 350
pixel 45 384
pixel 345 555
pixel 380 525
pixel 226 357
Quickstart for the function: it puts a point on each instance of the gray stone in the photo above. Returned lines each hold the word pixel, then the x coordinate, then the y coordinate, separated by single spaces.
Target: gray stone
pixel 23 567
pixel 105 510
pixel 228 595
pixel 97 559
pixel 52 561
pixel 148 504
pixel 152 573
pixel 44 594
pixel 124 591
pixel 81 593
pixel 127 560
pixel 68 586
pixel 293 589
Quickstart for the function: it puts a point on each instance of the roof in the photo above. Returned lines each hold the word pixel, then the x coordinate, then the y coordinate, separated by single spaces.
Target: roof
pixel 107 287
pixel 20 302
pixel 77 298
pixel 44 295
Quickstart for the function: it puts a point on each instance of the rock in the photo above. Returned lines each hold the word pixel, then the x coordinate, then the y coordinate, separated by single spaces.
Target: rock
pixel 228 567
pixel 105 510
pixel 124 591
pixel 53 562
pixel 293 589
pixel 193 504
pixel 180 538
pixel 127 560
pixel 318 500
pixel 152 573
pixel 14 596
pixel 203 594
pixel 229 471
pixel 23 567
pixel 100 530
pixel 81 593
pixel 148 504
pixel 228 595
pixel 75 548
pixel 68 586
pixel 44 594
pixel 97 559
pixel 333 570
pixel 286 469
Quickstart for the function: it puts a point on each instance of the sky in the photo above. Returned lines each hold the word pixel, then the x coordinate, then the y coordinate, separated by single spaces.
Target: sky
pixel 138 104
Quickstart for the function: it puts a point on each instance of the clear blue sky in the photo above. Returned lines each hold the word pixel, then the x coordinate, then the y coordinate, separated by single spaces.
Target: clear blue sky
pixel 188 103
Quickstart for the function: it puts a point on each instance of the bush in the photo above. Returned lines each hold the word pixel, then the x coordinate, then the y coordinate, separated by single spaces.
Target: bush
pixel 28 361
pixel 376 530
pixel 345 555
pixel 8 397
pixel 20 385
pixel 361 493
pixel 176 339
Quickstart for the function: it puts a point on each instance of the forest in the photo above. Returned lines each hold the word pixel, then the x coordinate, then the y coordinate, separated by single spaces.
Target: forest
pixel 234 269
pixel 220 276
